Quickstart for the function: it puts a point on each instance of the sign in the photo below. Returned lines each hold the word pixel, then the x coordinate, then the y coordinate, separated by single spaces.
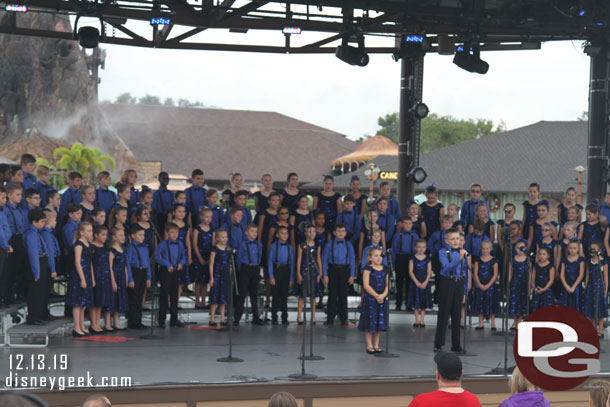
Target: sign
pixel 388 175
pixel 557 348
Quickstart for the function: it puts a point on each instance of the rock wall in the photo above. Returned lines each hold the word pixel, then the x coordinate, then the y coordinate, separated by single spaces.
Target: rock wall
pixel 48 97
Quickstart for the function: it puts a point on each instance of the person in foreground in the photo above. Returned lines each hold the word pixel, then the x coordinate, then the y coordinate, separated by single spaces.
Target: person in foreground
pixel 599 390
pixel 525 394
pixel 282 399
pixel 450 392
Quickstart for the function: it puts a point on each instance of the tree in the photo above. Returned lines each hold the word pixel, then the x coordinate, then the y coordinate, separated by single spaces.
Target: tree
pixel 441 131
pixel 187 103
pixel 150 100
pixel 86 160
pixel 169 102
pixel 584 117
pixel 125 98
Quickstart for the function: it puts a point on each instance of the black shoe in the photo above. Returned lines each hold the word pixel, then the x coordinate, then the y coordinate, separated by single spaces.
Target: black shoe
pixel 258 322
pixel 398 306
pixel 422 325
pixel 415 325
pixel 223 324
pixel 493 329
pixel 76 334
pixel 101 331
pixel 176 324
pixel 142 327
pixel 344 323
pixel 437 349
pixel 235 323
pixel 212 323
pixel 299 322
pixel 161 324
pixel 479 328
pixel 285 323
pixel 274 322
pixel 144 309
pixel 456 349
pixel 329 323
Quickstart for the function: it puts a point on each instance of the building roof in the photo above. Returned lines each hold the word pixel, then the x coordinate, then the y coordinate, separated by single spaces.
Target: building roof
pixel 543 152
pixel 221 141
pixel 369 149
pixel 4 160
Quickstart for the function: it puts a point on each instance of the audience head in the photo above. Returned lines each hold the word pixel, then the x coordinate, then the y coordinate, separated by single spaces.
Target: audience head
pixel 21 399
pixel 598 392
pixel 97 400
pixel 448 368
pixel 282 399
pixel 519 384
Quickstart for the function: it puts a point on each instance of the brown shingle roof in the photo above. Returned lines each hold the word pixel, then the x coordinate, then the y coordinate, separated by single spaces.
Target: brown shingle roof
pixel 224 141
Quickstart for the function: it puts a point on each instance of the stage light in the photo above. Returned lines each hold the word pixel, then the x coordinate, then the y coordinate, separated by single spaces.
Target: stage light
pixel 352 55
pixel 160 20
pixel 420 110
pixel 418 174
pixel 413 46
pixel 17 8
pixel 468 58
pixel 292 30
pixel 88 37
pixel 446 44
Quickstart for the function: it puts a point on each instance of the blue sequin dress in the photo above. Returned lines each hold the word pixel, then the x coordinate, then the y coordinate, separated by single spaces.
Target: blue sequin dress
pixel 148 241
pixel 201 272
pixel 299 236
pixel 575 299
pixel 102 292
pixel 374 316
pixel 519 288
pixel 595 292
pixel 328 205
pixel 486 302
pixel 420 299
pixel 78 296
pixel 590 234
pixel 219 293
pixel 432 217
pixel 309 268
pixel 185 276
pixel 119 299
pixel 543 275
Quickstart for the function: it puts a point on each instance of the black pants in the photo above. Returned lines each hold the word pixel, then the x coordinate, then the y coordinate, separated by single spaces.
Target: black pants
pixel 450 295
pixel 280 291
pixel 134 297
pixel 247 280
pixel 4 289
pixel 338 276
pixel 169 287
pixel 161 221
pixel 402 278
pixel 38 292
pixel 17 273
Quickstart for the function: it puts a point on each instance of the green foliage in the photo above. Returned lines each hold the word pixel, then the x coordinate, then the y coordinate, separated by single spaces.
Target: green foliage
pixel 169 102
pixel 86 160
pixel 584 117
pixel 125 98
pixel 150 100
pixel 56 180
pixel 188 103
pixel 441 131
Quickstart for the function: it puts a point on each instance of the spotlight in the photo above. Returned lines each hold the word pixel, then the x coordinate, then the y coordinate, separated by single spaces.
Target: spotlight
pixel 413 46
pixel 420 110
pixel 159 20
pixel 418 174
pixel 352 55
pixel 17 8
pixel 87 36
pixel 469 59
pixel 292 30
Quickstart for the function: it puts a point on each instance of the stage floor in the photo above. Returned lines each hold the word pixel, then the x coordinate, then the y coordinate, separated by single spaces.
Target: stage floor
pixel 188 355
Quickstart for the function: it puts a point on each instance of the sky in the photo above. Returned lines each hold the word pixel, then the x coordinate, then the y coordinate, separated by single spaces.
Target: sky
pixel 521 87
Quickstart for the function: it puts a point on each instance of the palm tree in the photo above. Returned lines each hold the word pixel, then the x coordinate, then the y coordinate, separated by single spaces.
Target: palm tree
pixel 86 160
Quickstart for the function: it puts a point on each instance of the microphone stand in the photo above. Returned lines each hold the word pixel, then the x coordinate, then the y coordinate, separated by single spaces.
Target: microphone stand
pixel 464 352
pixel 386 353
pixel 507 238
pixel 154 293
pixel 310 285
pixel 232 285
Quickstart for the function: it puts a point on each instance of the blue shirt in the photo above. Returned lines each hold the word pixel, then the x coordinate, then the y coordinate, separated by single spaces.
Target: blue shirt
pixel 473 243
pixel 35 246
pixel 48 236
pixel 15 218
pixel 137 256
pixel 451 264
pixel 195 199
pixel 44 189
pixel 105 199
pixel 353 224
pixel 25 210
pixel 245 219
pixel 5 230
pixel 605 210
pixel 437 241
pixel 162 200
pixel 341 253
pixel 67 234
pixel 237 234
pixel 217 216
pixel 365 256
pixel 468 211
pixel 280 254
pixel 250 253
pixel 134 198
pixel 70 195
pixel 30 181
pixel 393 207
pixel 386 223
pixel 403 243
pixel 172 257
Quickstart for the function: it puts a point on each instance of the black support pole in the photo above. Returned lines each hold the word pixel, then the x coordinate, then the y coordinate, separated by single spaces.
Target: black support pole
pixel 411 81
pixel 598 120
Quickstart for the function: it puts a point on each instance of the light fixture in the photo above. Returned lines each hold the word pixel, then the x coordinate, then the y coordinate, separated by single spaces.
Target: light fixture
pixel 468 58
pixel 420 110
pixel 17 8
pixel 292 30
pixel 160 20
pixel 446 44
pixel 352 55
pixel 412 46
pixel 418 174
pixel 87 36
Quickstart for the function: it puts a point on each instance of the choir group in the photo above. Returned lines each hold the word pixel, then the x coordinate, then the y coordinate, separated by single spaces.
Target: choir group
pixel 112 246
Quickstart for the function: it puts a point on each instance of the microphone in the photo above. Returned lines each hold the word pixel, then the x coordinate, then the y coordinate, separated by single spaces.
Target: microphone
pixel 303 226
pixel 233 251
pixel 312 250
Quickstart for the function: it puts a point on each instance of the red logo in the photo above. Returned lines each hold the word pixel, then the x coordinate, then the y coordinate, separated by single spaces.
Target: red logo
pixel 557 348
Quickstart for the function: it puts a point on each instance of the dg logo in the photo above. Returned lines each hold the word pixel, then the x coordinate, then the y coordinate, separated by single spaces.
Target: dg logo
pixel 557 348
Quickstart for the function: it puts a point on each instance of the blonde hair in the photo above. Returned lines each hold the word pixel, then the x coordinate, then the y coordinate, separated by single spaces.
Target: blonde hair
pixel 282 399
pixel 113 213
pixel 125 175
pixel 113 232
pixel 519 384
pixel 42 169
pixel 79 230
pixel 598 392
pixel 370 254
